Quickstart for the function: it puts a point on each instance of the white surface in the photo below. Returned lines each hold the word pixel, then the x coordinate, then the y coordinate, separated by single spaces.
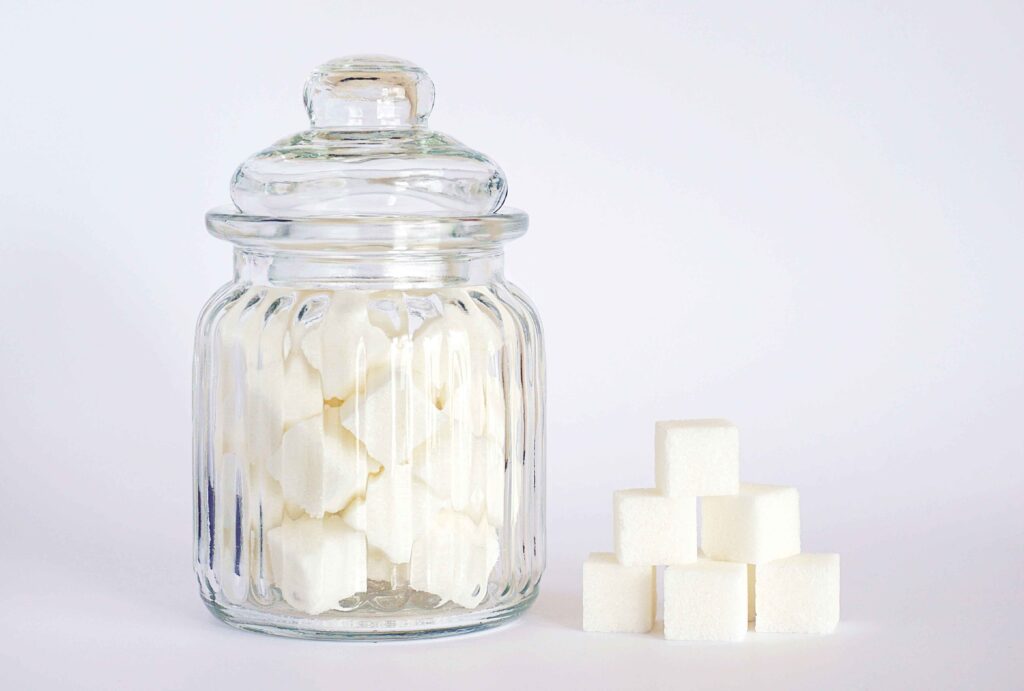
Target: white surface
pixel 805 217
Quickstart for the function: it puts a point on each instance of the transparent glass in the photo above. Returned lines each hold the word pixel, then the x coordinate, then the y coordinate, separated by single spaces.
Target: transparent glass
pixel 369 439
pixel 369 390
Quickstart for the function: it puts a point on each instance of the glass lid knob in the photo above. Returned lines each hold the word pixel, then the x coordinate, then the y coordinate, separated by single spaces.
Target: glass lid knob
pixel 368 92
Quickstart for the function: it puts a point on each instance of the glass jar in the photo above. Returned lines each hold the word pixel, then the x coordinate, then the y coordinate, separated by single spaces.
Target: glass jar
pixel 369 389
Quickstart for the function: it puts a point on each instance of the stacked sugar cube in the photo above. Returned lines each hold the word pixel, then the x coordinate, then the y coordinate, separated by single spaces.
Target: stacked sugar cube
pixel 748 566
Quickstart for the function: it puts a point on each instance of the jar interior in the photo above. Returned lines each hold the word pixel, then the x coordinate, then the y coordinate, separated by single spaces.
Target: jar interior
pixel 367 456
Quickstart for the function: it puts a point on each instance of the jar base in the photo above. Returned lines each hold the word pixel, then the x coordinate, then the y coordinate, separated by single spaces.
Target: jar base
pixel 369 627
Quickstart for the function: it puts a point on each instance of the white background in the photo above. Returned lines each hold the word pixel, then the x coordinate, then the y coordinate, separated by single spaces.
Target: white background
pixel 806 217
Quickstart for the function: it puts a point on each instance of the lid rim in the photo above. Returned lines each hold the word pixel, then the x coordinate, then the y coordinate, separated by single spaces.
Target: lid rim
pixel 365 230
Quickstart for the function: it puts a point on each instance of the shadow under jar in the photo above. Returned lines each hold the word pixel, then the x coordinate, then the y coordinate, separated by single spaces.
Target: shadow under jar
pixel 368 389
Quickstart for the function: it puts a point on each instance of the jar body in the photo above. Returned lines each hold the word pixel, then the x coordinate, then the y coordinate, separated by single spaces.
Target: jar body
pixel 369 445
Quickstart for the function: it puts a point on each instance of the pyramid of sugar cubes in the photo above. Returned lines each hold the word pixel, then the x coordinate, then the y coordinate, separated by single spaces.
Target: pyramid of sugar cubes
pixel 747 566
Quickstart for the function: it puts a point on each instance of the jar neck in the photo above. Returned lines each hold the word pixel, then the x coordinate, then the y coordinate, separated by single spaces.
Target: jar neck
pixel 419 269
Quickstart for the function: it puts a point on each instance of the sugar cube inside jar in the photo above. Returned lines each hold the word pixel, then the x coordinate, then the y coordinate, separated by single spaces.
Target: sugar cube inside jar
pixel 368 388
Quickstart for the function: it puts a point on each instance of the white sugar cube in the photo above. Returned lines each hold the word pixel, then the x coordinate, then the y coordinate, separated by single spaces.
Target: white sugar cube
pixel 706 601
pixel 457 358
pixel 398 510
pixel 760 524
pixel 317 562
pixel 378 566
pixel 799 594
pixel 267 386
pixel 453 559
pixel 468 471
pixel 354 514
pixel 263 424
pixel 301 394
pixel 247 369
pixel 392 417
pixel 320 465
pixel 268 391
pixel 696 457
pixel 654 530
pixel 617 598
pixel 445 463
pixel 346 346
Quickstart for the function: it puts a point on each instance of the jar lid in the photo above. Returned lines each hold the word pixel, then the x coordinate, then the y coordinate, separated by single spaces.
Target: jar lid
pixel 368 171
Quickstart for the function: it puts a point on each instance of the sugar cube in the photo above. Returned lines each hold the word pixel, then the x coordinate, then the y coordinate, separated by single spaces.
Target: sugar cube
pixel 346 346
pixel 468 471
pixel 457 356
pixel 760 523
pixel 392 417
pixel 301 394
pixel 317 562
pixel 445 463
pixel 263 389
pixel 378 566
pixel 399 508
pixel 320 465
pixel 652 529
pixel 706 601
pixel 798 594
pixel 696 457
pixel 617 598
pixel 453 559
pixel 265 332
pixel 354 514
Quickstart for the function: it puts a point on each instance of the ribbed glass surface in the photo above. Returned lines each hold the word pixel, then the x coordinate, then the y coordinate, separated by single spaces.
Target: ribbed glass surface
pixel 369 462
